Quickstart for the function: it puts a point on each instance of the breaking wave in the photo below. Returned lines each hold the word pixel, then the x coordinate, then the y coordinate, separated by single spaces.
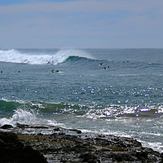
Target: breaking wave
pixel 15 56
pixel 93 112
pixel 27 117
pixel 23 112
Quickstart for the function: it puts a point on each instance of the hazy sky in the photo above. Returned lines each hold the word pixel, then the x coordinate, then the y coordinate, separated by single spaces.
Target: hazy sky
pixel 81 23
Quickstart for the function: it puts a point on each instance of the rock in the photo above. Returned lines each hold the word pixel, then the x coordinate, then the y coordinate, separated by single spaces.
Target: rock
pixel 90 158
pixel 24 126
pixel 90 148
pixel 6 126
pixel 13 151
pixel 73 146
pixel 75 130
pixel 57 129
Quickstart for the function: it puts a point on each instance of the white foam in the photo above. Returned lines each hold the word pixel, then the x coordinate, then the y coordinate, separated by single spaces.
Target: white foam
pixel 28 117
pixel 157 146
pixel 15 56
pixel 114 111
pixel 108 132
pixel 18 101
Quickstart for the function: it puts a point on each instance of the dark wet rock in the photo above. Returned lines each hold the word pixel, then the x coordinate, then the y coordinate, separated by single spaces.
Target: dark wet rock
pixel 75 130
pixel 73 146
pixel 90 158
pixel 57 129
pixel 64 131
pixel 23 126
pixel 6 126
pixel 64 147
pixel 13 151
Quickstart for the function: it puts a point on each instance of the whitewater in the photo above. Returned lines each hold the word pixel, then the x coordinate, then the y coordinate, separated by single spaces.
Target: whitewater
pixel 15 56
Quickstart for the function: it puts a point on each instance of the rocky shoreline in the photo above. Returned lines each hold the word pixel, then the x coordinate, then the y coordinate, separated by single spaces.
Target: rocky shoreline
pixel 70 146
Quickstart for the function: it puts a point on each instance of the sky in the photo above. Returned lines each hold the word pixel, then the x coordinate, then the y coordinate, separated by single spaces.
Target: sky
pixel 81 24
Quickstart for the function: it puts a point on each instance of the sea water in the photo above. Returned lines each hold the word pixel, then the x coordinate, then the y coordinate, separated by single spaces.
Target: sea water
pixel 110 91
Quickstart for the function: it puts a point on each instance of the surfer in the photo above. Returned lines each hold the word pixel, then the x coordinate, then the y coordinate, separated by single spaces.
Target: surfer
pixel 57 71
pixel 104 68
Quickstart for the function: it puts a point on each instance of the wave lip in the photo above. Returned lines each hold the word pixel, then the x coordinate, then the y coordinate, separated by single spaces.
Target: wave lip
pixel 15 56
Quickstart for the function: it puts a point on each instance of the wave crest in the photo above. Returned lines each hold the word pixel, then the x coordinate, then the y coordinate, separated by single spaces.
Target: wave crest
pixel 15 56
pixel 28 117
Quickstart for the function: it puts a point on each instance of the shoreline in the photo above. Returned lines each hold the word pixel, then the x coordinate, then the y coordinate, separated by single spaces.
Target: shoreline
pixel 73 146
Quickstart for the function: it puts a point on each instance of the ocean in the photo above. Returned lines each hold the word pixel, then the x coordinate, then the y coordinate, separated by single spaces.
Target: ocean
pixel 108 91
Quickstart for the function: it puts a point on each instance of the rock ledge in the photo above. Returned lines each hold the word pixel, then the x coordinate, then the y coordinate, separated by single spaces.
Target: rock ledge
pixel 72 146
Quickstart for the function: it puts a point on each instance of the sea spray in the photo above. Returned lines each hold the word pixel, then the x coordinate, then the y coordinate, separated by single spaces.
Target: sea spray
pixel 28 117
